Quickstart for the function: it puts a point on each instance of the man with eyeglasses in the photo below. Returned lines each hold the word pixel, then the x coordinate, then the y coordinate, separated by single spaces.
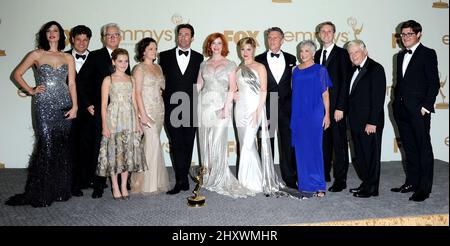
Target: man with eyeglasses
pixel 415 93
pixel 98 65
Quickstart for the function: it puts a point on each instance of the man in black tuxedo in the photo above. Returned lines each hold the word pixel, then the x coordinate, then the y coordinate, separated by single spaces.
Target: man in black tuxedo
pixel 180 67
pixel 415 94
pixel 366 117
pixel 279 66
pixel 97 66
pixel 79 38
pixel 338 65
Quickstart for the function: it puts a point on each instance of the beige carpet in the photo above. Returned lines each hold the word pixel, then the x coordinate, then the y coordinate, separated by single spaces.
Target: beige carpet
pixel 426 220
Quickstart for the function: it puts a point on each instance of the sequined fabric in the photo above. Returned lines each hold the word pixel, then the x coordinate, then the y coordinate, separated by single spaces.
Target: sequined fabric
pixel 49 170
pixel 213 131
pixel 156 178
pixel 123 150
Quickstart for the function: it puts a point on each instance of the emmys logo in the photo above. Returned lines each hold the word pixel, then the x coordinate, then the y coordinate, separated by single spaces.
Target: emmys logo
pixel 445 39
pixel 281 1
pixel 440 5
pixel 131 36
pixel 446 141
pixel 177 19
pixel 353 23
pixel 443 104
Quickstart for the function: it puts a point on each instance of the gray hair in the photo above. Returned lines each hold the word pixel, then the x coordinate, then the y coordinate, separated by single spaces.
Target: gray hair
pixel 275 29
pixel 308 44
pixel 356 42
pixel 105 27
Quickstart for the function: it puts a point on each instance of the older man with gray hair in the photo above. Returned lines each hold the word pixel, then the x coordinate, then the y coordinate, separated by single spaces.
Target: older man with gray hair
pixel 366 117
pixel 98 65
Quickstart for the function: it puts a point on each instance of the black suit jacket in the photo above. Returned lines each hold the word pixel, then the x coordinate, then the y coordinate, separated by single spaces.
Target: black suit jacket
pixel 420 85
pixel 98 65
pixel 366 99
pixel 339 68
pixel 178 82
pixel 284 87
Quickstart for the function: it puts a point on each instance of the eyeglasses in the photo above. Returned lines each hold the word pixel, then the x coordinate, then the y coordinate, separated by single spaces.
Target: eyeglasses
pixel 111 35
pixel 409 34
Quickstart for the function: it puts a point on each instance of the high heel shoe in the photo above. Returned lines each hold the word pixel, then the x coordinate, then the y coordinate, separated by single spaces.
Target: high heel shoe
pixel 126 197
pixel 117 198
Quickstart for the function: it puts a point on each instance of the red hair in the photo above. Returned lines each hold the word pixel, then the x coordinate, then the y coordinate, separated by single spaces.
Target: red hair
pixel 207 48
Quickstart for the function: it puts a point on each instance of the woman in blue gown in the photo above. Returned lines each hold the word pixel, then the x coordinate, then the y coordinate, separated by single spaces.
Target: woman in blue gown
pixel 310 116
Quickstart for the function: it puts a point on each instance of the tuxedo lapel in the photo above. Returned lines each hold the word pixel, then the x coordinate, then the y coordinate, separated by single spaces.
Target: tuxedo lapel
pixel 266 63
pixel 413 59
pixel 107 58
pixel 361 74
pixel 330 56
pixel 286 68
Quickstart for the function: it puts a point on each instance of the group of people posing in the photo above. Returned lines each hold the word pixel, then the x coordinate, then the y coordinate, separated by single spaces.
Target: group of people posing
pixel 91 111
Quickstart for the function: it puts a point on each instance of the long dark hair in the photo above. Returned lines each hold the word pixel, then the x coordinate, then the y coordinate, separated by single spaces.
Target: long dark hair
pixel 41 36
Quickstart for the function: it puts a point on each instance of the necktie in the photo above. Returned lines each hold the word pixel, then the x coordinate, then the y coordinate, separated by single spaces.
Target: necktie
pixel 276 55
pixel 80 56
pixel 324 57
pixel 180 52
pixel 358 67
pixel 408 51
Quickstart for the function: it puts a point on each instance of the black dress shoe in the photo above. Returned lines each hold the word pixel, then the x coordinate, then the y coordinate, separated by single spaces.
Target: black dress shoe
pixel 40 204
pixel 365 194
pixel 62 199
pixel 292 186
pixel 177 188
pixel 337 187
pixel 355 190
pixel 403 189
pixel 97 194
pixel 419 196
pixel 17 200
pixel 77 193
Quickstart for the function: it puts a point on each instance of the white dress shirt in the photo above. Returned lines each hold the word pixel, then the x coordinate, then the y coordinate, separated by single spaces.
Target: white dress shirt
pixel 277 65
pixel 79 62
pixel 355 74
pixel 109 51
pixel 183 61
pixel 329 49
pixel 407 58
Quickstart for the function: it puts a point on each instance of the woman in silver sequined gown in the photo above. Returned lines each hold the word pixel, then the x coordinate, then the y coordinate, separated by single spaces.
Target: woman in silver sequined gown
pixel 217 84
pixel 255 172
pixel 54 105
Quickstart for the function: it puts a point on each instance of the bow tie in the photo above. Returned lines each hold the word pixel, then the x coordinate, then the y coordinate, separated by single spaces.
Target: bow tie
pixel 408 51
pixel 80 56
pixel 180 52
pixel 358 67
pixel 276 55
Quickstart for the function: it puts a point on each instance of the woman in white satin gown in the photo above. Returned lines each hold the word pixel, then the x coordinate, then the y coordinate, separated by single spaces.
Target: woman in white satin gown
pixel 216 84
pixel 255 172
pixel 149 83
